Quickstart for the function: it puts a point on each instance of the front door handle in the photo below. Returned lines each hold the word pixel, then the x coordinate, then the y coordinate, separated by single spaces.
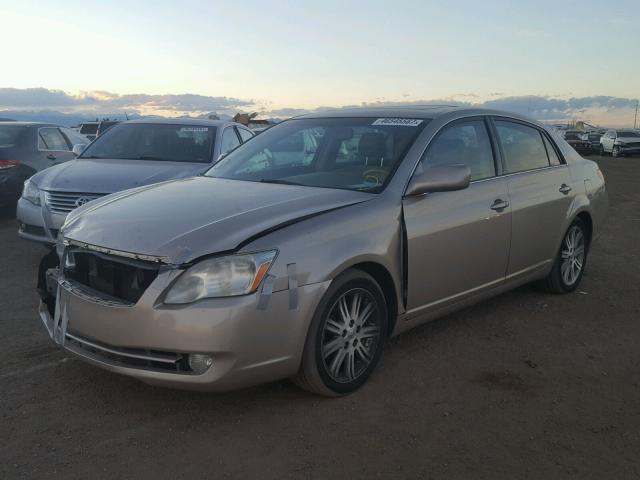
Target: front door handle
pixel 499 205
pixel 564 189
pixel 51 156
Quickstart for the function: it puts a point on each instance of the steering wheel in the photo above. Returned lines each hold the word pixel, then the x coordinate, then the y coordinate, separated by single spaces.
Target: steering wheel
pixel 375 175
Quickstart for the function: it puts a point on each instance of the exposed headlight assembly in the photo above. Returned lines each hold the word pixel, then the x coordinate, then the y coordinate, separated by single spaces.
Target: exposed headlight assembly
pixel 227 276
pixel 31 192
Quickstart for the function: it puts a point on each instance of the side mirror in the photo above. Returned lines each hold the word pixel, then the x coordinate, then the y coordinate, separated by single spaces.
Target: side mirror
pixel 78 148
pixel 440 179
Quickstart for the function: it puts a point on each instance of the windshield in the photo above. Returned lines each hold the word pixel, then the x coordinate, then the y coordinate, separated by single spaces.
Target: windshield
pixel 9 135
pixel 148 141
pixel 348 153
pixel 627 133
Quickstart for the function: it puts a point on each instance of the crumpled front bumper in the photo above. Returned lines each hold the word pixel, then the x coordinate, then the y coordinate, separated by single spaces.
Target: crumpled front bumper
pixel 250 341
pixel 629 150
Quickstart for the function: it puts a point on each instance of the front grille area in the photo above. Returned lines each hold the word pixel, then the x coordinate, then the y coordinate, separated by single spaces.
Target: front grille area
pixel 122 279
pixel 64 202
pixel 129 357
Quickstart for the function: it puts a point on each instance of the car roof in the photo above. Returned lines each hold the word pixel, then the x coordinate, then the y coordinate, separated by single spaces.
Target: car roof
pixel 181 121
pixel 413 111
pixel 427 112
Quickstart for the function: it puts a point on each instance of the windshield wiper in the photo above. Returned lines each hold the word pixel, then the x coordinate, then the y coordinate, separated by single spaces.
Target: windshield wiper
pixel 148 157
pixel 277 180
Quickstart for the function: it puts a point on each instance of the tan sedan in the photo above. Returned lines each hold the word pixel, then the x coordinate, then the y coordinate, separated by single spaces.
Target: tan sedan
pixel 301 251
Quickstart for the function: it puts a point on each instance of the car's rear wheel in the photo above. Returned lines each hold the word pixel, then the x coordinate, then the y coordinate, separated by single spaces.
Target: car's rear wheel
pixel 346 336
pixel 568 267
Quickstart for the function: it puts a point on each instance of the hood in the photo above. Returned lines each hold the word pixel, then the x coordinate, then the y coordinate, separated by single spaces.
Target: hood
pixel 186 219
pixel 628 139
pixel 112 175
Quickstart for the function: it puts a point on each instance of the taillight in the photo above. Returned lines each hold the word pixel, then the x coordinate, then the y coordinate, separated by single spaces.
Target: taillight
pixel 4 164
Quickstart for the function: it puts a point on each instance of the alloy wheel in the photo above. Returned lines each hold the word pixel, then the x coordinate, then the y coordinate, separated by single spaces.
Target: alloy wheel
pixel 350 335
pixel 573 254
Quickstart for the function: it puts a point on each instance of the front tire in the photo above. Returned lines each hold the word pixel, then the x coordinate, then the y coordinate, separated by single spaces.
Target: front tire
pixel 615 152
pixel 346 336
pixel 568 267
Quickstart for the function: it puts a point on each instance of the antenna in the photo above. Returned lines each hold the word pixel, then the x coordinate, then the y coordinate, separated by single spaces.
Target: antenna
pixel 635 120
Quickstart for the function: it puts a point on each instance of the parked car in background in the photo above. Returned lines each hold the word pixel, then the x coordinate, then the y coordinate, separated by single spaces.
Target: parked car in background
pixel 89 129
pixel 593 139
pixel 27 148
pixel 576 140
pixel 619 143
pixel 302 265
pixel 127 155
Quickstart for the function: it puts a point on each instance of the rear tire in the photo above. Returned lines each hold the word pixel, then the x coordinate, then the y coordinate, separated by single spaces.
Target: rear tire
pixel 569 265
pixel 346 336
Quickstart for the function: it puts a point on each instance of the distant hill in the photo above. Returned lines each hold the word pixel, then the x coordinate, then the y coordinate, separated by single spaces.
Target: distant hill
pixel 52 116
pixel 72 119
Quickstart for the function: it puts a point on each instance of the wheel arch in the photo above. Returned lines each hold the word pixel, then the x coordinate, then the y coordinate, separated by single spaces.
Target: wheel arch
pixel 585 216
pixel 381 275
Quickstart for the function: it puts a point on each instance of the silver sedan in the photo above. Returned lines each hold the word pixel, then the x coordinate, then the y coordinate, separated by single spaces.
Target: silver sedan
pixel 304 249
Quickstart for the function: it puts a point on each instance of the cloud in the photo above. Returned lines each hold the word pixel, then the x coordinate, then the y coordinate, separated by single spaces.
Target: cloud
pixel 107 102
pixel 605 110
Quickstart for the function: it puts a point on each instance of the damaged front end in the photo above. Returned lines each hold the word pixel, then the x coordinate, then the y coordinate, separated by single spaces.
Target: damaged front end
pixel 101 276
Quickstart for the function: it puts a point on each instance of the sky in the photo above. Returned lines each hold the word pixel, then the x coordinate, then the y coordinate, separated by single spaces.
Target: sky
pixel 551 59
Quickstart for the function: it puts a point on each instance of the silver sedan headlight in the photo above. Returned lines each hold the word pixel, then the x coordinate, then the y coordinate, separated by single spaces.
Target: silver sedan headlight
pixel 31 192
pixel 226 276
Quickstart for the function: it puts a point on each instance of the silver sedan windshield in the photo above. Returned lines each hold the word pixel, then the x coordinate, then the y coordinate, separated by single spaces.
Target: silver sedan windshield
pixel 348 153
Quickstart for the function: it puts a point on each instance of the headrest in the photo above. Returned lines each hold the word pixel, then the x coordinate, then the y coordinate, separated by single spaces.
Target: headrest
pixel 371 145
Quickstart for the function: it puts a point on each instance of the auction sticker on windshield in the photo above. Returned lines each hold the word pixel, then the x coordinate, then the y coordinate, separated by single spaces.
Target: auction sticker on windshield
pixel 402 122
pixel 194 129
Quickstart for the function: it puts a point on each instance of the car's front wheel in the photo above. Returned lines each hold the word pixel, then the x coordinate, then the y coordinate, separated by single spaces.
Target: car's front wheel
pixel 569 265
pixel 615 151
pixel 346 336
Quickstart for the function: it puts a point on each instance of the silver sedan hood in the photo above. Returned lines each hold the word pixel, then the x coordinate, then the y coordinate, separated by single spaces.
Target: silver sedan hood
pixel 112 175
pixel 181 220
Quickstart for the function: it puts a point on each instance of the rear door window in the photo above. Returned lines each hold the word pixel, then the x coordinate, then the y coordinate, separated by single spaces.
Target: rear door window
pixel 50 138
pixel 522 146
pixel 463 143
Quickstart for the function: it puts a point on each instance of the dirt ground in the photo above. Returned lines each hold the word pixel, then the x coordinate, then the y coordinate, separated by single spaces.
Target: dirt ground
pixel 526 385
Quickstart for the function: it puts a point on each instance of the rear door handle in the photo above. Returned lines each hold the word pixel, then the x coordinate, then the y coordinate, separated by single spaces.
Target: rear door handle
pixel 51 156
pixel 564 189
pixel 499 205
